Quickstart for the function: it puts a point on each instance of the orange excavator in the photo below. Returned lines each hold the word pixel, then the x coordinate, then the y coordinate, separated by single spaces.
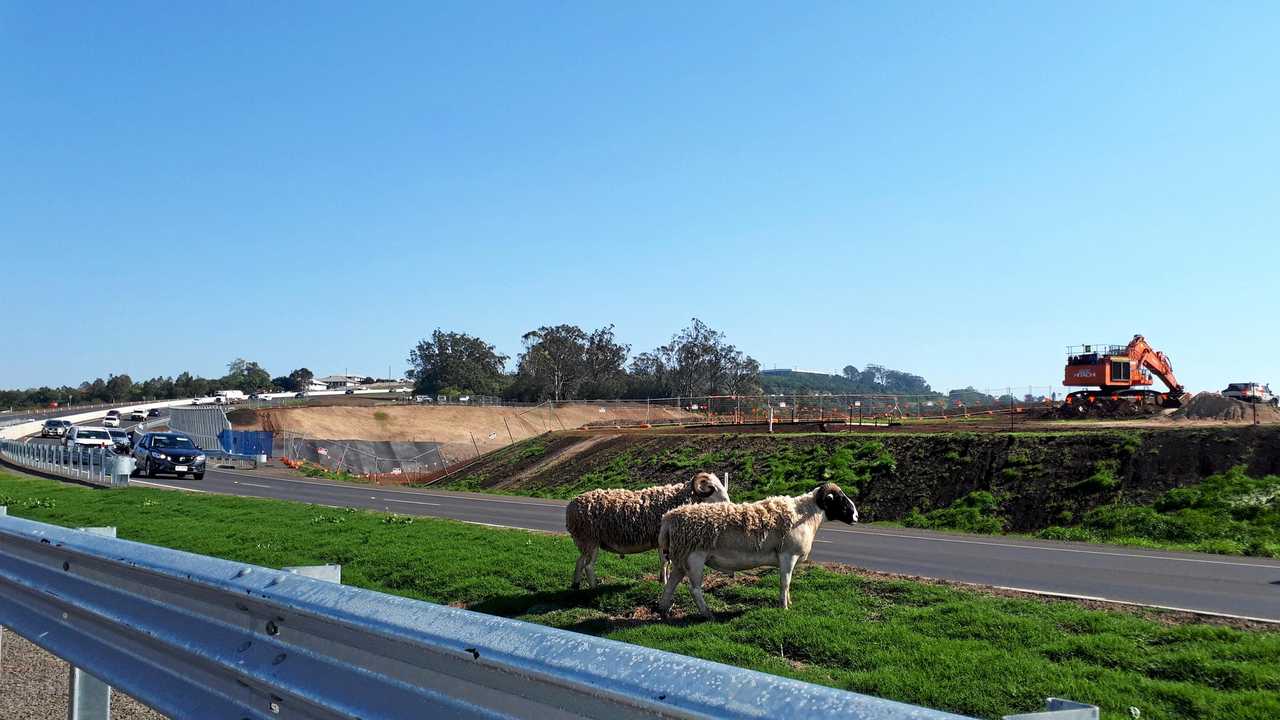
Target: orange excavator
pixel 1120 376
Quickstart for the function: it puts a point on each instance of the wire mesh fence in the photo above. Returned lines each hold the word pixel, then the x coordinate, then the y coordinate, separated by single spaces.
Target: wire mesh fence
pixel 459 432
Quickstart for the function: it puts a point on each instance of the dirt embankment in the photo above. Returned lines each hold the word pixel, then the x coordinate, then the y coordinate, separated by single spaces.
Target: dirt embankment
pixel 1039 478
pixel 1212 406
pixel 461 431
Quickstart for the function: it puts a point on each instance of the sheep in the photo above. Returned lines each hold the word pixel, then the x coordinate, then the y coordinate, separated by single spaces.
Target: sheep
pixel 627 521
pixel 727 537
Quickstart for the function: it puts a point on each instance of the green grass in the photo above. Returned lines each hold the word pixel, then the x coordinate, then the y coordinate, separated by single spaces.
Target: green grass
pixel 1230 513
pixel 922 643
pixel 973 513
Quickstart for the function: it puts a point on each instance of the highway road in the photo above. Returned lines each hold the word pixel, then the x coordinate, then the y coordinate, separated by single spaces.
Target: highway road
pixel 1237 586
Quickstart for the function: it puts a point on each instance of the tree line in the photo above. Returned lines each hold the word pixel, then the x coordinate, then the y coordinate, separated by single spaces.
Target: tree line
pixel 557 362
pixel 244 375
pixel 565 362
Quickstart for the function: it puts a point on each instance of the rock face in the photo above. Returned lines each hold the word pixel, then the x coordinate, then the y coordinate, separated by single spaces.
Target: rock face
pixel 1036 477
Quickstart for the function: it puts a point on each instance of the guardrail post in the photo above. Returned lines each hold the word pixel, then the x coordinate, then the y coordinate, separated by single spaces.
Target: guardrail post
pixel 89 697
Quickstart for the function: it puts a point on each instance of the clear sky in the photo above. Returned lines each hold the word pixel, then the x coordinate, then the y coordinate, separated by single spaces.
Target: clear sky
pixel 955 189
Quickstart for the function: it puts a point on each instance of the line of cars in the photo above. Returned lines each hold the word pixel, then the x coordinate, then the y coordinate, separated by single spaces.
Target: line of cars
pixel 153 452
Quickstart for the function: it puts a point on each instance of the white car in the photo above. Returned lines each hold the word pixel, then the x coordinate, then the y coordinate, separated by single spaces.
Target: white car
pixel 137 414
pixel 1251 392
pixel 87 437
pixel 112 419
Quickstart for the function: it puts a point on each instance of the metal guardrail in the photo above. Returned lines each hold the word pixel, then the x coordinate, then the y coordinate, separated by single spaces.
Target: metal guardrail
pixel 196 637
pixel 96 466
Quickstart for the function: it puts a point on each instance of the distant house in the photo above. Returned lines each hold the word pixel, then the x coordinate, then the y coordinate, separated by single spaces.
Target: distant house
pixel 337 382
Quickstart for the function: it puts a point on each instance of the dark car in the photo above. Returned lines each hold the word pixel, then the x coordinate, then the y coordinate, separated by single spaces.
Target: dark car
pixel 153 413
pixel 54 428
pixel 166 452
pixel 121 443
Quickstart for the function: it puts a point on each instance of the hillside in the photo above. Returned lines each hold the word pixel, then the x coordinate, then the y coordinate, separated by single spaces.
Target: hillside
pixel 873 381
pixel 1036 479
pixel 784 382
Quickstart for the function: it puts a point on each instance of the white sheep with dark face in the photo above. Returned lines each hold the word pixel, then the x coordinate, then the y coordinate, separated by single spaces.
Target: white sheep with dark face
pixel 627 521
pixel 774 531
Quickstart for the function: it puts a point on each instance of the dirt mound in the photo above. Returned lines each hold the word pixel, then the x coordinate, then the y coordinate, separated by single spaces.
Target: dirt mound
pixel 1212 406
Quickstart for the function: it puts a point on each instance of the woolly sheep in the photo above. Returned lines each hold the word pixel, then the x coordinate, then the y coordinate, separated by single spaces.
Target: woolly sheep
pixel 727 537
pixel 627 521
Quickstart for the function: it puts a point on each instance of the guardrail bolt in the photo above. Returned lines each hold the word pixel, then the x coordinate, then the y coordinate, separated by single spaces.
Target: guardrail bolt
pixel 272 628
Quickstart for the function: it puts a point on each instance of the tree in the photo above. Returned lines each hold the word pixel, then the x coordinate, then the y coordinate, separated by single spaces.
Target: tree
pixel 246 375
pixel 282 382
pixel 554 362
pixel 606 375
pixel 118 387
pixel 300 380
pixel 697 362
pixel 456 360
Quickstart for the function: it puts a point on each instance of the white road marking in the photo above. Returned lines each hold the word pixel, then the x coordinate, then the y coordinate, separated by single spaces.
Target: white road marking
pixel 1019 546
pixel 166 487
pixel 504 527
pixel 828 542
pixel 1071 596
pixel 411 502
pixel 251 484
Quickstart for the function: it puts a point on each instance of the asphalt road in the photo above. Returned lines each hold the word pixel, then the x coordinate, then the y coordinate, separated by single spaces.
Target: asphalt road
pixel 1245 587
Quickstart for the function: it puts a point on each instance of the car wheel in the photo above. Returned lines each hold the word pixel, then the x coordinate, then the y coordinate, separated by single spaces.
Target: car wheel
pixel 146 469
pixel 197 476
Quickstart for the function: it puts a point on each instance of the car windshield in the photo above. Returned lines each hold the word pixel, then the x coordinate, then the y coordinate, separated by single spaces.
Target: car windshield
pixel 171 441
pixel 118 434
pixel 94 434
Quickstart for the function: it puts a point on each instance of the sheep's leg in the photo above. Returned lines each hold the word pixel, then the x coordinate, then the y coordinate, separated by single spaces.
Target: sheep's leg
pixel 664 569
pixel 674 576
pixel 591 568
pixel 694 567
pixel 585 565
pixel 786 566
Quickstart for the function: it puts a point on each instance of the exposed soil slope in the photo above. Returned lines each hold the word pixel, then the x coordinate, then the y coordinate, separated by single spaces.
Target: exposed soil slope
pixel 460 430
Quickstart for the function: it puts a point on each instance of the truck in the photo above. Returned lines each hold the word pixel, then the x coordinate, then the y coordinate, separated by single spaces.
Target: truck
pixel 228 397
pixel 1251 392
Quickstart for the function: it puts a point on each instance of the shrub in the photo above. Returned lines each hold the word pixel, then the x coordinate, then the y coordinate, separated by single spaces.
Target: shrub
pixel 975 512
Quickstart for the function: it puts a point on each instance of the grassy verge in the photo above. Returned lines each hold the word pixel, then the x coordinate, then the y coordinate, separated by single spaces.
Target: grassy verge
pixel 929 644
pixel 1230 514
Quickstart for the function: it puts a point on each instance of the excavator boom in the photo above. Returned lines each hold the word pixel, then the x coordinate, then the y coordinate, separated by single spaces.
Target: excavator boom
pixel 1147 357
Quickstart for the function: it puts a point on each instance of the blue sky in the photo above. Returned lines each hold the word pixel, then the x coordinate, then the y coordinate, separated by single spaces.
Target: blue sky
pixel 959 190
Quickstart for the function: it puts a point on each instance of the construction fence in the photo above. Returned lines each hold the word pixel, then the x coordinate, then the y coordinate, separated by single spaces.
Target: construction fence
pixel 850 408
